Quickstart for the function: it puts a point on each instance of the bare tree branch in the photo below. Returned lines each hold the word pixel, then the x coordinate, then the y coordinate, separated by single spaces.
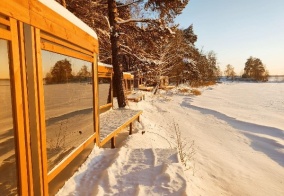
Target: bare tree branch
pixel 128 4
pixel 147 20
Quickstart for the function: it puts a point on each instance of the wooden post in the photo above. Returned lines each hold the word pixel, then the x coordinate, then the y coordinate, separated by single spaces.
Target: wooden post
pixel 113 142
pixel 130 129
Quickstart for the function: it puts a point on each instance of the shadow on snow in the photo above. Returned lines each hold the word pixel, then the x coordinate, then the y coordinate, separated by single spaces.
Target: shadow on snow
pixel 263 144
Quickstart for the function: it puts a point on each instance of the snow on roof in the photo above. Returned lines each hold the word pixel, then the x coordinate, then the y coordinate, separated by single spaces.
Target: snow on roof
pixel 105 65
pixel 69 16
pixel 126 73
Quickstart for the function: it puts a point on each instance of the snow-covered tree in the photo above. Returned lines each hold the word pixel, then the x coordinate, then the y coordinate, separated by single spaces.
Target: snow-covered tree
pixel 161 15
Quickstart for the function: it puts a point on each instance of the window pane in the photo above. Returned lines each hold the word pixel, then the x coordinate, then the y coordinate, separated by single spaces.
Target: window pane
pixel 8 172
pixel 68 97
pixel 130 85
pixel 104 91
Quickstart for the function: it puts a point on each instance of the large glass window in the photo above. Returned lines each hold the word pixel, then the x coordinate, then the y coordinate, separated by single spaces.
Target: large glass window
pixel 68 96
pixel 8 172
pixel 104 90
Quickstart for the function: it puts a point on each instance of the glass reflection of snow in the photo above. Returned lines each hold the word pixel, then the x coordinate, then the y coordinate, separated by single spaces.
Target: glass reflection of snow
pixel 8 173
pixel 68 96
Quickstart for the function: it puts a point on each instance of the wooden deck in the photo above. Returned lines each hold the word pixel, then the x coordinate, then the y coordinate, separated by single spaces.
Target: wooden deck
pixel 145 88
pixel 114 121
pixel 166 87
pixel 136 97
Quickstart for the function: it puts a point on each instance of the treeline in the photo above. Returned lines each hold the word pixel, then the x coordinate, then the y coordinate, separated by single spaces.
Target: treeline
pixel 62 72
pixel 254 70
pixel 148 41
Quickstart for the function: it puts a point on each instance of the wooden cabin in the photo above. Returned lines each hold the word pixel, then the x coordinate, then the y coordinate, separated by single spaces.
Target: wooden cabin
pixel 105 74
pixel 128 82
pixel 164 83
pixel 49 96
pixel 52 91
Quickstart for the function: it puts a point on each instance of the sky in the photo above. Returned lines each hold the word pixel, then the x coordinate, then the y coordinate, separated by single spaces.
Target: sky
pixel 236 30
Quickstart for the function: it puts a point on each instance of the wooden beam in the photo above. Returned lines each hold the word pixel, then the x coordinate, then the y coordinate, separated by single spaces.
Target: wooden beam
pixel 17 9
pixel 41 109
pixel 65 44
pixel 49 21
pixel 18 111
pixel 4 21
pixel 108 105
pixel 29 168
pixel 63 50
pixel 40 185
pixel 5 34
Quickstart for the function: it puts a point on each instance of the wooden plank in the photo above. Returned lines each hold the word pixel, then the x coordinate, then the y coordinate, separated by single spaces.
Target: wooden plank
pixel 96 99
pixel 41 110
pixel 66 44
pixel 48 20
pixel 63 50
pixel 26 109
pixel 56 170
pixel 4 21
pixel 5 34
pixel 18 112
pixel 17 9
pixel 40 184
pixel 109 105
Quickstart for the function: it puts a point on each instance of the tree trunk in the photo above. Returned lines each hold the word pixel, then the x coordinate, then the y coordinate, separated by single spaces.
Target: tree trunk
pixel 117 68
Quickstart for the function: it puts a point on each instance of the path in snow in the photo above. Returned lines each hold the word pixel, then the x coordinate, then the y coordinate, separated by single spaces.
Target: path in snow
pixel 128 172
pixel 237 130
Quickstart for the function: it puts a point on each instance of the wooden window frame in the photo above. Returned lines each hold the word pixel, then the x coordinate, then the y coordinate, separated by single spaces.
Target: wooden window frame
pixel 13 35
pixel 106 72
pixel 32 19
pixel 108 105
pixel 57 45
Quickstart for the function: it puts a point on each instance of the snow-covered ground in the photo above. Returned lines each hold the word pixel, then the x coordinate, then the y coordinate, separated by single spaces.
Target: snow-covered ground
pixel 236 134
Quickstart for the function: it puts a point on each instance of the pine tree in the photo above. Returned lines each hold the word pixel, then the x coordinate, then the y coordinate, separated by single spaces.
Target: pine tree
pixel 165 10
pixel 255 69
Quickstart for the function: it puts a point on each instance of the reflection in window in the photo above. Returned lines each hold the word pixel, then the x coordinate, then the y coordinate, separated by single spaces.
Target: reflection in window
pixel 130 85
pixel 8 174
pixel 104 91
pixel 68 97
